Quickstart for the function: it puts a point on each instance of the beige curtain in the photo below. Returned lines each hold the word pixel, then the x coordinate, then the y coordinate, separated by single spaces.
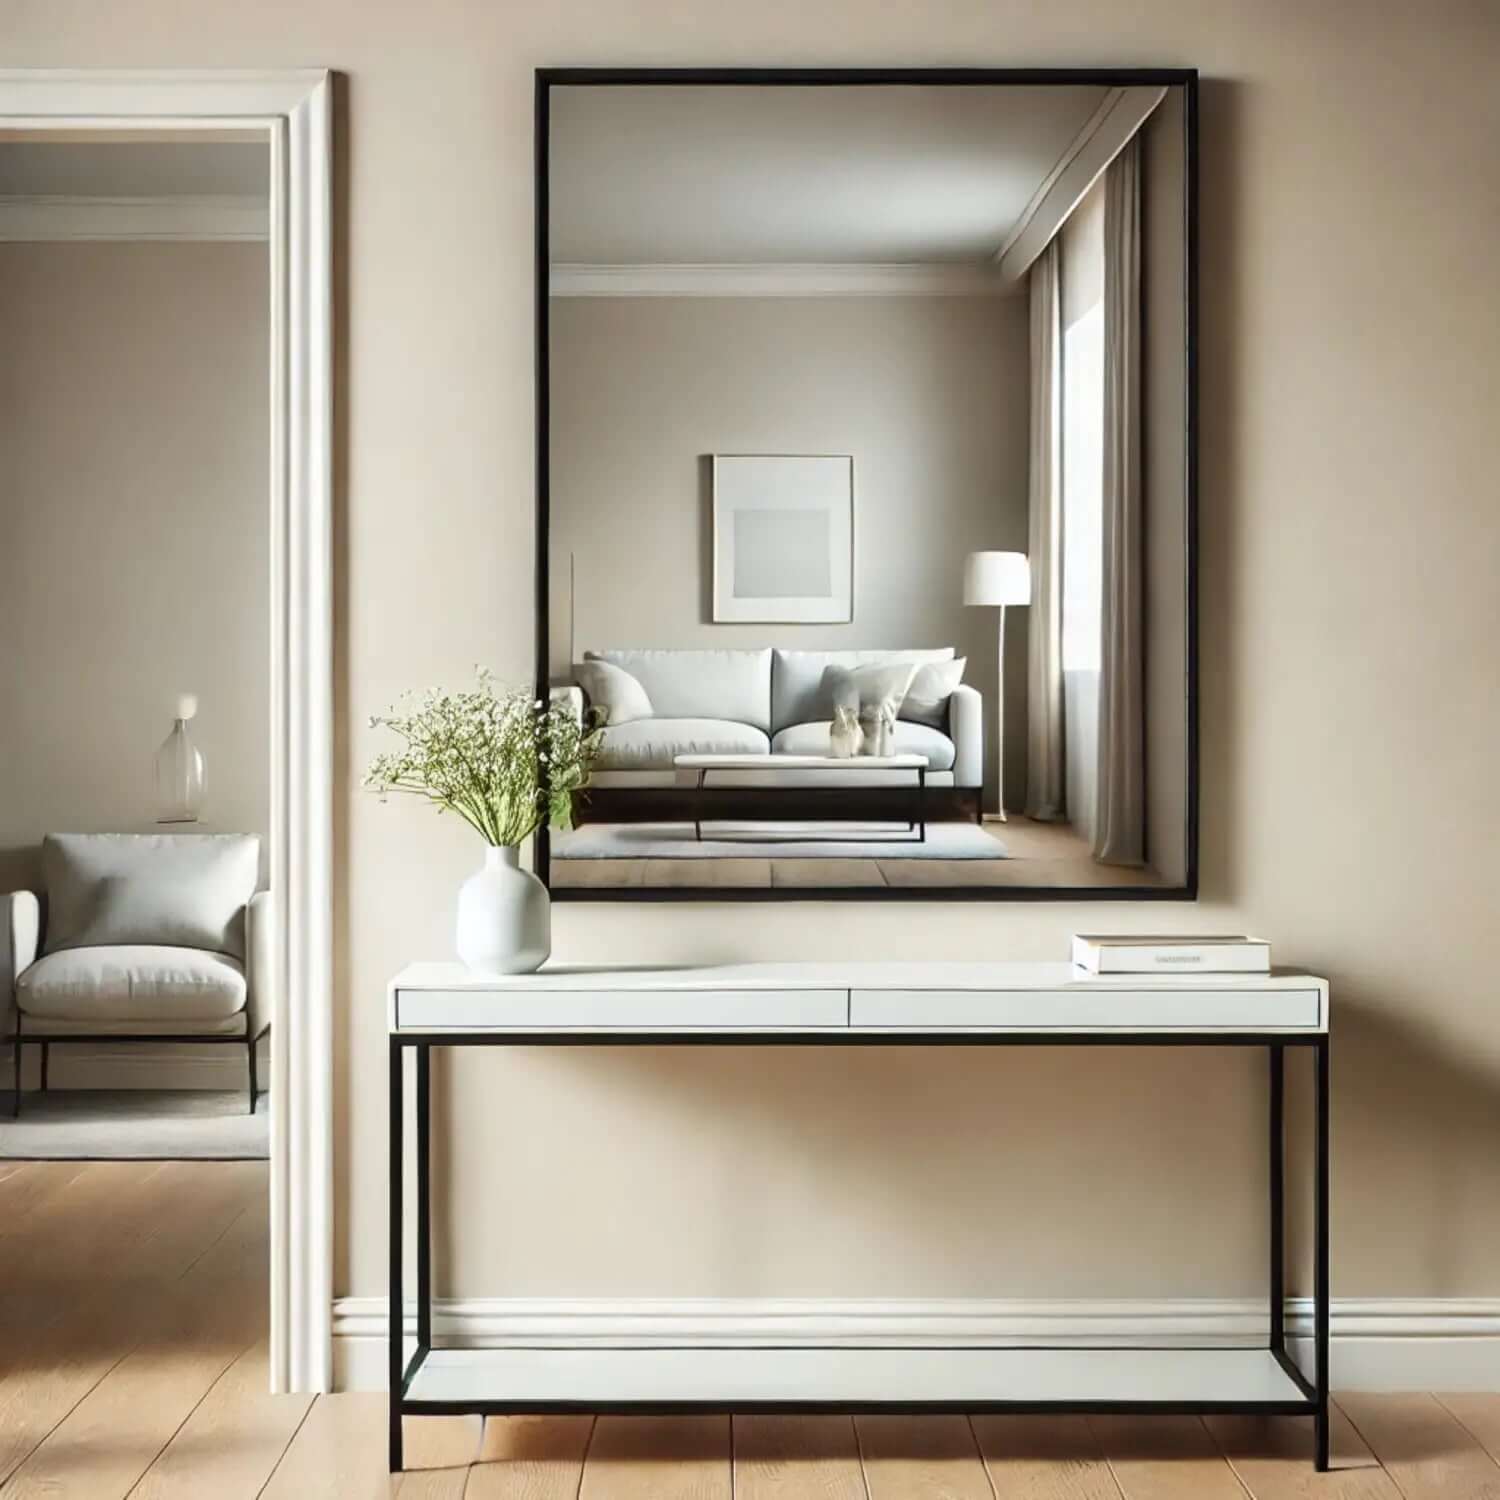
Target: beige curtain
pixel 1045 773
pixel 1120 823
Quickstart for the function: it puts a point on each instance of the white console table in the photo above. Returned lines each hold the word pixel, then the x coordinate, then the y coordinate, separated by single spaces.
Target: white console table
pixel 841 1005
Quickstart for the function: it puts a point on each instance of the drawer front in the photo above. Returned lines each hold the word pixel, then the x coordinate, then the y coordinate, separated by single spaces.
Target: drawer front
pixel 1106 1009
pixel 621 1010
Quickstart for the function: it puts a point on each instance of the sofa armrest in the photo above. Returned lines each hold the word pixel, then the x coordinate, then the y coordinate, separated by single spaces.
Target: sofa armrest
pixel 966 730
pixel 571 695
pixel 260 984
pixel 23 941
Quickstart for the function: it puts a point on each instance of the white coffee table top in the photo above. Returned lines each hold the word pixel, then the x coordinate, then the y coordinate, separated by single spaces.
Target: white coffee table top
pixel 771 760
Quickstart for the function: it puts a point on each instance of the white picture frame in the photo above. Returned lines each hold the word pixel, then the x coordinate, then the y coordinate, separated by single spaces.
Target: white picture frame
pixel 783 538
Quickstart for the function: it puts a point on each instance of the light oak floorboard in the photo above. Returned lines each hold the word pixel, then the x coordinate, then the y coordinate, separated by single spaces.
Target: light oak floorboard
pixel 438 1452
pixel 658 1458
pixel 1273 1458
pixel 801 873
pixel 1044 1458
pixel 1165 1458
pixel 530 1458
pixel 581 874
pixel 84 1290
pixel 921 1458
pixel 232 1441
pixel 1429 1454
pixel 710 873
pixel 337 1454
pixel 116 1431
pixel 796 1458
pixel 1480 1413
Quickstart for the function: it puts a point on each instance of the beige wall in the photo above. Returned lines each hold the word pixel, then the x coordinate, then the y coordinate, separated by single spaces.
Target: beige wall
pixel 134 548
pixel 928 393
pixel 1351 542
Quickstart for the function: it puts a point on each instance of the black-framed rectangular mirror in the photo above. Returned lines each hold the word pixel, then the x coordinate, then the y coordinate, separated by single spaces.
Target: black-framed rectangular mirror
pixel 866 429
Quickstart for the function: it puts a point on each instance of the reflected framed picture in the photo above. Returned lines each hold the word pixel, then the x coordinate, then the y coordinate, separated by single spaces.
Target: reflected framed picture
pixel 783 538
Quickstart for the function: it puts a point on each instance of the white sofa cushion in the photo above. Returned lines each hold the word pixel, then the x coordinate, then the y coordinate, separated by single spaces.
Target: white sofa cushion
pixel 179 890
pixel 910 739
pixel 613 691
pixel 131 983
pixel 797 695
pixel 653 744
pixel 701 684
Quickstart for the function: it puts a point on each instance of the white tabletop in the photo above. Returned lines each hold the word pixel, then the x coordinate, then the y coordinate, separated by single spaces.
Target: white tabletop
pixel 772 759
pixel 841 998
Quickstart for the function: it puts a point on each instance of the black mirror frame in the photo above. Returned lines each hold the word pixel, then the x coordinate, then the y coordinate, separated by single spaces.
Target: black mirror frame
pixel 1184 78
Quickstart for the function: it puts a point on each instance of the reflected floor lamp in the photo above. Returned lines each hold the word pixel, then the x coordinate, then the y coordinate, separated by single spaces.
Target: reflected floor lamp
pixel 998 579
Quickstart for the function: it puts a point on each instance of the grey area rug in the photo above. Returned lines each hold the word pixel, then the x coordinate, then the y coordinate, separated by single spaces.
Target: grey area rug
pixel 135 1125
pixel 775 840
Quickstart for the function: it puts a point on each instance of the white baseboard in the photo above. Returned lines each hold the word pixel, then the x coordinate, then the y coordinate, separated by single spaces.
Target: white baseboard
pixel 93 1065
pixel 1391 1344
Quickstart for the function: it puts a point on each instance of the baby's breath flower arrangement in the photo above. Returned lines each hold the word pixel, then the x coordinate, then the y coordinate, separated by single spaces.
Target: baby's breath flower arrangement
pixel 503 761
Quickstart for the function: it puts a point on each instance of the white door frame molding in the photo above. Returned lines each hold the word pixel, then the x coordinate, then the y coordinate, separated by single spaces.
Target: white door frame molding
pixel 292 108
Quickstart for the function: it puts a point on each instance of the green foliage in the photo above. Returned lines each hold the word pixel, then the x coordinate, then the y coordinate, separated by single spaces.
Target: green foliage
pixel 501 761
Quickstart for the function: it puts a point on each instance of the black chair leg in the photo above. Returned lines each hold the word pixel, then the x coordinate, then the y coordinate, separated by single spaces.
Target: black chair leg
pixel 250 1049
pixel 46 1059
pixel 15 1109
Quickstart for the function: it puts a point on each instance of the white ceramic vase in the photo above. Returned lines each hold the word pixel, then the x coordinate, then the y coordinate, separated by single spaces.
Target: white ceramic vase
pixel 504 916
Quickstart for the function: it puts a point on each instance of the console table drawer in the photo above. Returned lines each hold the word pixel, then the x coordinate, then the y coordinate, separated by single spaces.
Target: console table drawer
pixel 621 1009
pixel 1107 1008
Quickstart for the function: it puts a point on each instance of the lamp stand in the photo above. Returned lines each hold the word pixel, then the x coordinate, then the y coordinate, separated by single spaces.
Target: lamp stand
pixel 1000 721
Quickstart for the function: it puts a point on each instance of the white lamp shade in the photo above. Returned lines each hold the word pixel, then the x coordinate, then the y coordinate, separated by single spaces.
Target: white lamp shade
pixel 997 578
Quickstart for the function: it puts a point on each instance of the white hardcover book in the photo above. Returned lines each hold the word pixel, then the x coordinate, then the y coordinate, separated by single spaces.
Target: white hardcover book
pixel 1129 954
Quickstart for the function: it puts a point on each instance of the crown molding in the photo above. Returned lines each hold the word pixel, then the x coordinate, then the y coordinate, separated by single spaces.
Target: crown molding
pixel 35 218
pixel 1107 132
pixel 827 279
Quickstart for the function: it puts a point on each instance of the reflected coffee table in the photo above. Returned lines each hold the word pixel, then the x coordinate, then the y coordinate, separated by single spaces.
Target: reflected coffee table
pixel 911 798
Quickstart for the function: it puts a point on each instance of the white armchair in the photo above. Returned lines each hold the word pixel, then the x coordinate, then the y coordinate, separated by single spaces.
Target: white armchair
pixel 143 938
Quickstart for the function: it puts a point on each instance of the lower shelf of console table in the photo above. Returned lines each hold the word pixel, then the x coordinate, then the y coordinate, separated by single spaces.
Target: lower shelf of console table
pixel 919 1006
pixel 856 1379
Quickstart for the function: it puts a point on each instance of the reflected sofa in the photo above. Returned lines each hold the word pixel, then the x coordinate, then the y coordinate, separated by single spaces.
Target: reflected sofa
pixel 764 701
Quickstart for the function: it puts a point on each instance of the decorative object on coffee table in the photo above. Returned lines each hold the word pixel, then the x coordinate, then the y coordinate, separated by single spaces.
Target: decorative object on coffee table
pixel 845 737
pixel 179 769
pixel 998 578
pixel 505 763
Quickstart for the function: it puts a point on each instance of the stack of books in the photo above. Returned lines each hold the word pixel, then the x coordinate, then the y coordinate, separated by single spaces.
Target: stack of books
pixel 1129 954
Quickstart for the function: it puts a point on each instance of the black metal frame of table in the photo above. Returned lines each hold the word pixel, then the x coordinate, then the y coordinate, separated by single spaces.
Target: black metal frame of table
pixel 1313 1394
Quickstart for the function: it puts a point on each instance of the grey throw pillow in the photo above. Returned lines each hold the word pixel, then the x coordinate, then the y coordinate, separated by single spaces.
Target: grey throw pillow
pixel 613 691
pixel 179 890
pixel 926 700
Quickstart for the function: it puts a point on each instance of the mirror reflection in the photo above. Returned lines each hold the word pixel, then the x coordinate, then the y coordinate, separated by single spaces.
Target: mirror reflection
pixel 867 516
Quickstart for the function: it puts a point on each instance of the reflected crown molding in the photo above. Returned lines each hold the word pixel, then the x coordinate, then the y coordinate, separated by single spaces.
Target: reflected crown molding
pixel 823 279
pixel 38 218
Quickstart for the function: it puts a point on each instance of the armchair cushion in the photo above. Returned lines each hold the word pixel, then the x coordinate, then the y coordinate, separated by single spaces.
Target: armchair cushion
pixel 160 890
pixel 135 982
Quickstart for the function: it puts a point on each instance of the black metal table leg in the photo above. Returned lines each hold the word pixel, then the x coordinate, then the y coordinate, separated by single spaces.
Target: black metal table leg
pixel 1277 1163
pixel 698 804
pixel 921 804
pixel 394 1310
pixel 1320 1264
pixel 424 1197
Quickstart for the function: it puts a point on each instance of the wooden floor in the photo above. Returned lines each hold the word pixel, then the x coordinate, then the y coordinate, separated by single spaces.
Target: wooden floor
pixel 1040 854
pixel 133 1362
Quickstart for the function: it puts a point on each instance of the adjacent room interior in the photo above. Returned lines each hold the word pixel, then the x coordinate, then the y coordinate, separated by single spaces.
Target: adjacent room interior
pixel 135 588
